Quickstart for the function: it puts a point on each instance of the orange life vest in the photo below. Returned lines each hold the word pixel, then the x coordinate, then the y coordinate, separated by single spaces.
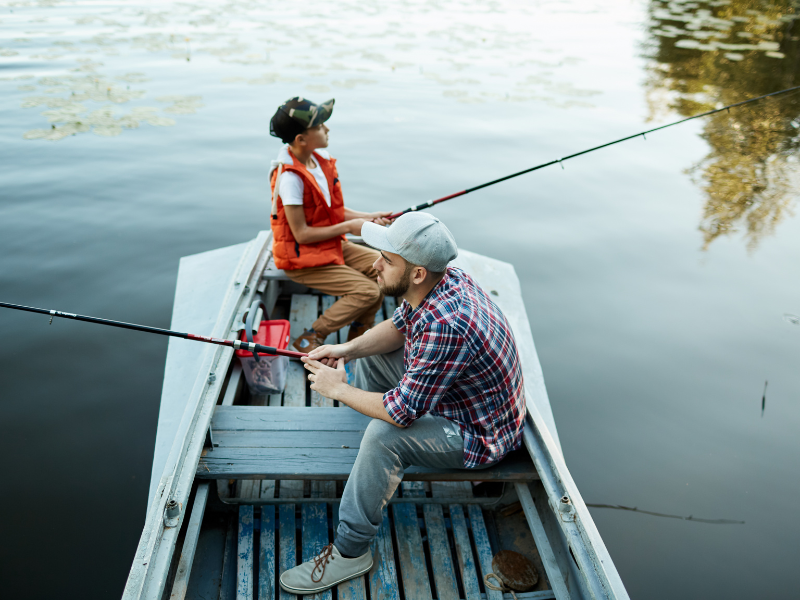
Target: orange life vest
pixel 288 253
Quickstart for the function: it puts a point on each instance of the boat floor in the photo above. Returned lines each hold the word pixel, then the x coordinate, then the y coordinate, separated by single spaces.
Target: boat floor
pixel 423 550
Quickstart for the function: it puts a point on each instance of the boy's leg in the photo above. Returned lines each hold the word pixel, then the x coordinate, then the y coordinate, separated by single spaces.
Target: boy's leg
pixel 356 291
pixel 361 258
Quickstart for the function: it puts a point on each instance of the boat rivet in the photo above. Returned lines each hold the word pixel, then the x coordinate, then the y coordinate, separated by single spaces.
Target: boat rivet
pixel 172 513
pixel 212 377
pixel 565 499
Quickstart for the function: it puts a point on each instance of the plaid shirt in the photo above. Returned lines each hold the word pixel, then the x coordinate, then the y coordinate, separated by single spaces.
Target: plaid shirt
pixel 461 363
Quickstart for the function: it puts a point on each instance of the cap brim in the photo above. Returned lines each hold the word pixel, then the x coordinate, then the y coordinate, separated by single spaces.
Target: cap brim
pixel 324 112
pixel 377 236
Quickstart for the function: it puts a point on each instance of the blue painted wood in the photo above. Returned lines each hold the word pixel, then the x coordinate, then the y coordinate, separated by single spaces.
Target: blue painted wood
pixel 466 561
pixel 444 575
pixel 287 554
pixel 266 554
pixel 314 525
pixel 411 554
pixel 355 589
pixel 383 577
pixel 244 556
pixel 483 547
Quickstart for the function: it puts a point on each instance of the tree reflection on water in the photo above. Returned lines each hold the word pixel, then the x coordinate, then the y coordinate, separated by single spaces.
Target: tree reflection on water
pixel 710 54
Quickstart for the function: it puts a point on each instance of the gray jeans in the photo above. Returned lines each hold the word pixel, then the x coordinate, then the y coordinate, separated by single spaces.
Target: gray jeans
pixel 386 452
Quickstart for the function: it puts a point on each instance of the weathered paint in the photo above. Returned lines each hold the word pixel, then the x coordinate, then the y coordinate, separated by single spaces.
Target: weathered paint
pixel 466 562
pixel 383 577
pixel 266 555
pixel 483 547
pixel 314 522
pixel 287 534
pixel 244 562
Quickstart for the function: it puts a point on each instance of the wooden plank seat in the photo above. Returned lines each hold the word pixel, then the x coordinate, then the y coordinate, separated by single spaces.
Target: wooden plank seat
pixel 315 443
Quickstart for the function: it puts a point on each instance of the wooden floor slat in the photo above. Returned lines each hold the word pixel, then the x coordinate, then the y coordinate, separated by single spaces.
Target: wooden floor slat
pixel 287 539
pixel 354 589
pixel 314 522
pixel 266 554
pixel 244 556
pixel 482 545
pixel 383 577
pixel 466 561
pixel 411 553
pixel 444 576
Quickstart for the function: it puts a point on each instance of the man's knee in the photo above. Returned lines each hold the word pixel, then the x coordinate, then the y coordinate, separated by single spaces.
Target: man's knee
pixel 378 432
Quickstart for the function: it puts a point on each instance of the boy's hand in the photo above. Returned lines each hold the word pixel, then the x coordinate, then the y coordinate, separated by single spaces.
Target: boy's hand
pixel 380 218
pixel 356 225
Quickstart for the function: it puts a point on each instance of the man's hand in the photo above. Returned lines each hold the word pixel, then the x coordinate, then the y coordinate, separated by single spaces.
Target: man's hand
pixel 330 354
pixel 325 380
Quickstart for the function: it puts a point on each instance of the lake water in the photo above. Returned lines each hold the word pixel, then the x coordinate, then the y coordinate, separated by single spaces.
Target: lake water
pixel 660 275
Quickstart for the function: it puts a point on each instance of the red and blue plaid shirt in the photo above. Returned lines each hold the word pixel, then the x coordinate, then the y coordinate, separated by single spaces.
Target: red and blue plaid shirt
pixel 461 363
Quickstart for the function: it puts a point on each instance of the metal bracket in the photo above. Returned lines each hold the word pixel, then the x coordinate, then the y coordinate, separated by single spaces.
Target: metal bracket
pixel 565 509
pixel 209 443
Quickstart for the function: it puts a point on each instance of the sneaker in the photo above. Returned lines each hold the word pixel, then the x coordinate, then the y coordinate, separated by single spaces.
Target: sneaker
pixel 357 330
pixel 309 340
pixel 326 569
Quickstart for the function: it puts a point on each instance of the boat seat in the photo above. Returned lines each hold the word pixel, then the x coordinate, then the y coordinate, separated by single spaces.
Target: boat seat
pixel 321 443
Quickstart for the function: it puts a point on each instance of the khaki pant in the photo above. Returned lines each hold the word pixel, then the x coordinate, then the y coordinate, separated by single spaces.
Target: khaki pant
pixel 354 283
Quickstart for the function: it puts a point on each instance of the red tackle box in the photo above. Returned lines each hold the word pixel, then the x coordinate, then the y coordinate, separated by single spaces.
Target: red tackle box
pixel 268 375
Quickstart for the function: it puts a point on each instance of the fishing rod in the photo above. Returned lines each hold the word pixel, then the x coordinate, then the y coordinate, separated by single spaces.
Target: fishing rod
pixel 582 152
pixel 236 344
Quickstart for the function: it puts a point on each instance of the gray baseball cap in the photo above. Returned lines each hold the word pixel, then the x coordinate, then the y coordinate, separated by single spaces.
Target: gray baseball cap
pixel 418 237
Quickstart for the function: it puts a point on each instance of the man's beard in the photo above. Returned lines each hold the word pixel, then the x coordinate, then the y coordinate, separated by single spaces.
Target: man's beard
pixel 401 287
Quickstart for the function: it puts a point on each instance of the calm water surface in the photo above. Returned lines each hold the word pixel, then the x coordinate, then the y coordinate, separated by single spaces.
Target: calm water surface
pixel 660 275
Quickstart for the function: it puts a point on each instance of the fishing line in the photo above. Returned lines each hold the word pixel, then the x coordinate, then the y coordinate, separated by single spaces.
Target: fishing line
pixel 560 161
pixel 236 344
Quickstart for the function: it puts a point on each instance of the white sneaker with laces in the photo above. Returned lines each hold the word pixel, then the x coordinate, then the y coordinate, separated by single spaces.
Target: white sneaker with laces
pixel 326 569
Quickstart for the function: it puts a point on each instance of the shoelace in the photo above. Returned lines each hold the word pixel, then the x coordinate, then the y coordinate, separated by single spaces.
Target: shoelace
pixel 320 560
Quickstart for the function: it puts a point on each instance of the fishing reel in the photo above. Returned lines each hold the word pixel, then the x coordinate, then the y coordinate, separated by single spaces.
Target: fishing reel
pixel 252 318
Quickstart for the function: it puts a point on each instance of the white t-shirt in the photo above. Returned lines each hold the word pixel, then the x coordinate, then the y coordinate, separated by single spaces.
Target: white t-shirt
pixel 291 185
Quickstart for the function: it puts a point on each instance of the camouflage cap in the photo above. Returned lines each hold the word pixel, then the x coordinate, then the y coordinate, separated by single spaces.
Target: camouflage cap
pixel 296 115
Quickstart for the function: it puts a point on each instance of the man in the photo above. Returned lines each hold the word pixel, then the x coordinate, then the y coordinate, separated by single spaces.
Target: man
pixel 441 379
pixel 309 221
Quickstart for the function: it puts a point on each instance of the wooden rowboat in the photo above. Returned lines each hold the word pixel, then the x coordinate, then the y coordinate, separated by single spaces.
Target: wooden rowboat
pixel 244 486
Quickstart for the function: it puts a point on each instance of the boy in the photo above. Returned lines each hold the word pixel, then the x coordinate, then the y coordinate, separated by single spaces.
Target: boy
pixel 309 222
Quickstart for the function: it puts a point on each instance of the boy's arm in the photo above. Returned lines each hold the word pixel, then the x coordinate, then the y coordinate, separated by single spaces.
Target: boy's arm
pixel 309 235
pixel 375 217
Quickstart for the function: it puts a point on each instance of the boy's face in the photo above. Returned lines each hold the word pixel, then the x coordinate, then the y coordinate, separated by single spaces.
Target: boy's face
pixel 315 137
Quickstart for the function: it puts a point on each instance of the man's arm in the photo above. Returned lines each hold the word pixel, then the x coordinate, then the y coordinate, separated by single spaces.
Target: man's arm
pixel 382 338
pixel 332 383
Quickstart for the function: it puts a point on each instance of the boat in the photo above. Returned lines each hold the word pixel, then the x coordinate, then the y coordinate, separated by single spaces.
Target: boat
pixel 244 485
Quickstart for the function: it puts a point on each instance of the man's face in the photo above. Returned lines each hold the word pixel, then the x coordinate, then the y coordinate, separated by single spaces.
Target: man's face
pixel 394 274
pixel 316 137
